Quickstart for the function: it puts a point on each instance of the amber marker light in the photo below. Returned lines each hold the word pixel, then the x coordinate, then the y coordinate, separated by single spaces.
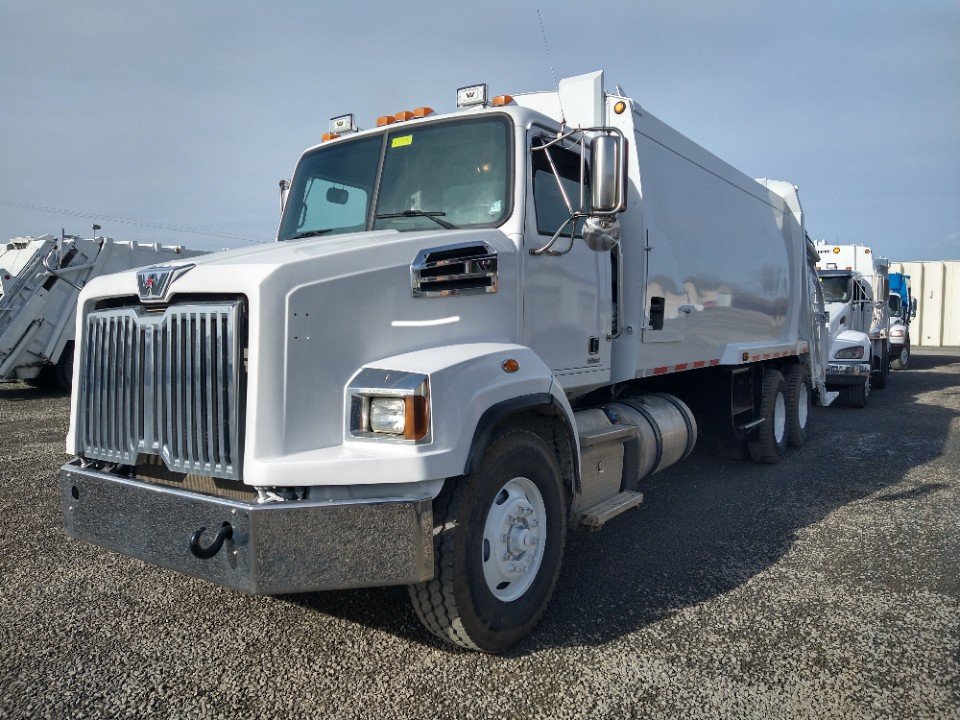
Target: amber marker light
pixel 329 136
pixel 403 116
pixel 415 417
pixel 501 100
pixel 510 365
pixel 866 251
pixel 422 112
pixel 619 107
pixel 385 120
pixel 836 251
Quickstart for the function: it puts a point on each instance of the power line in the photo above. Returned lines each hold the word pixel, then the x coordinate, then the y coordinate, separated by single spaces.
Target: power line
pixel 129 221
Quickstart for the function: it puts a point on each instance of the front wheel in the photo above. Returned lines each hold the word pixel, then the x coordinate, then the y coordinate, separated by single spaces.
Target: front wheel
pixel 902 359
pixel 797 381
pixel 855 396
pixel 498 542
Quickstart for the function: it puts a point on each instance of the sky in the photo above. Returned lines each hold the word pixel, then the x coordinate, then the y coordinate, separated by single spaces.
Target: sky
pixel 174 121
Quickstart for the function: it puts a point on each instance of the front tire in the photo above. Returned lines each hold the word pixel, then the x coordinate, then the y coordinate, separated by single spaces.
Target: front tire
pixel 499 536
pixel 771 443
pixel 902 359
pixel 855 396
pixel 879 376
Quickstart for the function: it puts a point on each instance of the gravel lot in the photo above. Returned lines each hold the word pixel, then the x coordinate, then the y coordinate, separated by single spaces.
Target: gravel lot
pixel 825 586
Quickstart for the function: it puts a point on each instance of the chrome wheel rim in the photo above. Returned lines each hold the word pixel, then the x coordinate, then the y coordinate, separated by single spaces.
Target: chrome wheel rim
pixel 513 539
pixel 779 418
pixel 803 397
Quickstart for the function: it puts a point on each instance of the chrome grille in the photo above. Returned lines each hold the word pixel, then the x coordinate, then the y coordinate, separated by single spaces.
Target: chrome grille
pixel 165 385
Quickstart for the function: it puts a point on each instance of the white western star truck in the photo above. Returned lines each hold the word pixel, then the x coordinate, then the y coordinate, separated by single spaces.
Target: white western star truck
pixel 855 288
pixel 40 278
pixel 476 330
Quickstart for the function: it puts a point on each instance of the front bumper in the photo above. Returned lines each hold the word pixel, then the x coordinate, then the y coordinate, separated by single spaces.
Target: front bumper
pixel 282 547
pixel 840 374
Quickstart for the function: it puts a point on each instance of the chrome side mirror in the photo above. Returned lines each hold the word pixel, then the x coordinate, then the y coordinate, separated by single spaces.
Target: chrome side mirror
pixel 913 306
pixel 607 194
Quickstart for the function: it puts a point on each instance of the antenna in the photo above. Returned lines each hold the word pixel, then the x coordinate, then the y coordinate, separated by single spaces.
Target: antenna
pixel 543 34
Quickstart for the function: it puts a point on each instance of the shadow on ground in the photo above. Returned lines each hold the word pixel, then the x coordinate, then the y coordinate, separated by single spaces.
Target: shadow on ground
pixel 708 525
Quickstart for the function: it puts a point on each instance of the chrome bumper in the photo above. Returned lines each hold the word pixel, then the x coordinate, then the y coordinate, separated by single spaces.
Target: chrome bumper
pixel 852 373
pixel 282 547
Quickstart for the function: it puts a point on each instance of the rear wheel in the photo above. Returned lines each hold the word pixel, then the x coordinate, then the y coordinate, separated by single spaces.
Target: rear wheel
pixel 797 385
pixel 499 536
pixel 902 358
pixel 771 443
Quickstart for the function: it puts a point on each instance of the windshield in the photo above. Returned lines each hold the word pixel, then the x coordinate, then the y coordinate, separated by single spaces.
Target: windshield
pixel 894 303
pixel 447 174
pixel 836 289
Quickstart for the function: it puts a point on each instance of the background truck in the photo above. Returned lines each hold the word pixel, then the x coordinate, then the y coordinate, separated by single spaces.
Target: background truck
pixel 40 279
pixel 476 331
pixel 902 309
pixel 856 286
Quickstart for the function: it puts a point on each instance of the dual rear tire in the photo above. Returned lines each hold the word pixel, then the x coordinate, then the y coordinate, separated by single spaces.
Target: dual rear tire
pixel 785 411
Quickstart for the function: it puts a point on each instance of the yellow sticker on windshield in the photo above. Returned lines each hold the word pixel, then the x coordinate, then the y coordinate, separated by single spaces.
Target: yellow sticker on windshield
pixel 401 141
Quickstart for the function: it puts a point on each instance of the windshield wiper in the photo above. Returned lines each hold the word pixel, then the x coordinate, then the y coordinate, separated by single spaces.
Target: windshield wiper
pixel 311 233
pixel 432 214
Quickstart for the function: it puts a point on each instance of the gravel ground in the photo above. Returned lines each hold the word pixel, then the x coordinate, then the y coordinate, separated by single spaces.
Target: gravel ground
pixel 825 586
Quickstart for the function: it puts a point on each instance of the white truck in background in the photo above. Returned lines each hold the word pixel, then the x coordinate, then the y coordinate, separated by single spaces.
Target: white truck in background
pixel 855 288
pixel 40 279
pixel 476 331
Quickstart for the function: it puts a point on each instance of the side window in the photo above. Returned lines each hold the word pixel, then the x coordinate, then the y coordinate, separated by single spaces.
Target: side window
pixel 550 209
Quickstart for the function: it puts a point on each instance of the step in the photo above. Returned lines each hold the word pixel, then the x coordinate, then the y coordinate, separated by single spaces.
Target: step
pixel 606 434
pixel 594 517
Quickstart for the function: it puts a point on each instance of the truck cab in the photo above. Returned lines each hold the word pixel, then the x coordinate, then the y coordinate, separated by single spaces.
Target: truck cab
pixel 902 309
pixel 845 298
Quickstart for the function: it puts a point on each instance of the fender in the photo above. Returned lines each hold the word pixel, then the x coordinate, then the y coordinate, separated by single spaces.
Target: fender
pixel 470 392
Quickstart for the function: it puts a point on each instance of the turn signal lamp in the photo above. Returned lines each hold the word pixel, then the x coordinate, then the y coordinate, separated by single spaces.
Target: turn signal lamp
pixel 403 115
pixel 619 107
pixel 501 100
pixel 472 95
pixel 836 251
pixel 422 112
pixel 385 120
pixel 510 365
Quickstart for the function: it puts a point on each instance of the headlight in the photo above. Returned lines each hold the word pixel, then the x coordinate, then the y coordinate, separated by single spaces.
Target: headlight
pixel 850 353
pixel 896 332
pixel 387 404
pixel 387 415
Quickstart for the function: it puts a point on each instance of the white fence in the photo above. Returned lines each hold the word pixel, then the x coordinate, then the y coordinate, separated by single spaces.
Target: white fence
pixel 936 286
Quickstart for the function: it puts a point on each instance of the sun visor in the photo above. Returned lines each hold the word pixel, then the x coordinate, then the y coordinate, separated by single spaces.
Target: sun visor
pixel 581 99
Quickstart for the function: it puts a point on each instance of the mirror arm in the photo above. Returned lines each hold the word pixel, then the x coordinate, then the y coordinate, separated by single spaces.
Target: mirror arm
pixel 545 250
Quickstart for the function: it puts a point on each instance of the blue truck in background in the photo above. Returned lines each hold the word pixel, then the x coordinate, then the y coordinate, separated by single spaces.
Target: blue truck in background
pixel 903 308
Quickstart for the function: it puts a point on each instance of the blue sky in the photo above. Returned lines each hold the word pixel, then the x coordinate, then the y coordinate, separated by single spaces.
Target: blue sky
pixel 186 114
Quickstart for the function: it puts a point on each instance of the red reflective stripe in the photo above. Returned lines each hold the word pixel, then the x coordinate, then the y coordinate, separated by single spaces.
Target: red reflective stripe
pixel 660 370
pixel 699 363
pixel 715 362
pixel 682 366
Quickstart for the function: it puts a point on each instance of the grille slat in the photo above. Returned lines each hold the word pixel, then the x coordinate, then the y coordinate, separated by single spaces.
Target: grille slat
pixel 166 385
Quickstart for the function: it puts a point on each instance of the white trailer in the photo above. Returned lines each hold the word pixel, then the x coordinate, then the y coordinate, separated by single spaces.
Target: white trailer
pixel 40 279
pixel 856 288
pixel 476 331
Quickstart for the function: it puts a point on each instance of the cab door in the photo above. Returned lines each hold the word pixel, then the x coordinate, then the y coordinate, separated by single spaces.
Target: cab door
pixel 566 298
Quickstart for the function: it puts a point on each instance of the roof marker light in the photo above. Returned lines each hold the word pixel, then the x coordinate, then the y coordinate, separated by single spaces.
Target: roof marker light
pixel 501 100
pixel 403 115
pixel 342 124
pixel 329 136
pixel 385 120
pixel 472 95
pixel 422 112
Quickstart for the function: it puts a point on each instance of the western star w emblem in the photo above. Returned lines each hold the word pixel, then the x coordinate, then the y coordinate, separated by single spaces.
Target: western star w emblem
pixel 153 282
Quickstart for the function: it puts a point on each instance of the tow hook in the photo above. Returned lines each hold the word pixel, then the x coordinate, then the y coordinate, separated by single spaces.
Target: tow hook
pixel 205 553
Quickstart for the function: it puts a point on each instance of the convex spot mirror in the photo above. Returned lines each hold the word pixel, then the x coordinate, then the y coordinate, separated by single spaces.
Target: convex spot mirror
pixel 606 175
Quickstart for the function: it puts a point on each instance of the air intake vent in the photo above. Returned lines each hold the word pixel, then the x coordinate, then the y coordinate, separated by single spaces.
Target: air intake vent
pixel 463 269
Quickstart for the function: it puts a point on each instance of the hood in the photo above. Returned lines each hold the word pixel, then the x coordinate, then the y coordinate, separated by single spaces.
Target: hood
pixel 319 309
